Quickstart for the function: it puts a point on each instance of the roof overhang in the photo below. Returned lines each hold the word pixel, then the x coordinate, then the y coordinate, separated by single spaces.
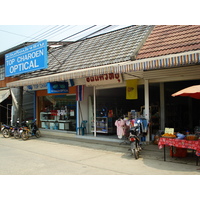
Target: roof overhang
pixel 4 94
pixel 173 60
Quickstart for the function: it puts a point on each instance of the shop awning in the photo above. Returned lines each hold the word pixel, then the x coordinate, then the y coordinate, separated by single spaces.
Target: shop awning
pixel 4 94
pixel 173 60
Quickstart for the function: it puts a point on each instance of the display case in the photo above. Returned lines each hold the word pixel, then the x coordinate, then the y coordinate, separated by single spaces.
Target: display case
pixel 52 121
pixel 103 125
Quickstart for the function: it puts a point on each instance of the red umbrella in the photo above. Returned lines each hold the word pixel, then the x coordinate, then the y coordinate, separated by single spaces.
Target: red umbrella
pixel 192 91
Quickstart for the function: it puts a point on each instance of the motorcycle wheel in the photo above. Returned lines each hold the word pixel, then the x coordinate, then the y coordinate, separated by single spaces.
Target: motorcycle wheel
pixel 16 135
pixel 37 134
pixel 136 153
pixel 25 135
pixel 6 133
pixel 135 150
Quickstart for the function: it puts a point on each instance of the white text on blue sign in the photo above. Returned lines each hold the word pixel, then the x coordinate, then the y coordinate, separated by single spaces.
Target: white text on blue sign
pixel 27 59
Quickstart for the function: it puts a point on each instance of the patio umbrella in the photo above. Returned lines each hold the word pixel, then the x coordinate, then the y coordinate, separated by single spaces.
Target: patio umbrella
pixel 192 91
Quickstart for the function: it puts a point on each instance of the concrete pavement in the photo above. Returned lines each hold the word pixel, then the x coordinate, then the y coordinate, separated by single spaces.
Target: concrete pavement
pixel 58 154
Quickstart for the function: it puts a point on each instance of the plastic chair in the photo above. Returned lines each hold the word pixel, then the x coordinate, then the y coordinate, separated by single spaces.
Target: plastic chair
pixel 82 127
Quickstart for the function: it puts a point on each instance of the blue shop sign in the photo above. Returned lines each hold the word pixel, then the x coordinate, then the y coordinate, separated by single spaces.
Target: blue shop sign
pixel 27 59
pixel 57 87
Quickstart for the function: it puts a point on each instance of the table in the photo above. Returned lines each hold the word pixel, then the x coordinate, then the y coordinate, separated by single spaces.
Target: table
pixel 187 144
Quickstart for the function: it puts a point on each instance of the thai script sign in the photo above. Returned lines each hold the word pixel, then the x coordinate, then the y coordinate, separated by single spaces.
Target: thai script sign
pixel 104 79
pixel 27 59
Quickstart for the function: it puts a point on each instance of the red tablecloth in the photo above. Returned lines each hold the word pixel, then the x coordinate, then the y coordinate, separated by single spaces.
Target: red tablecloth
pixel 188 144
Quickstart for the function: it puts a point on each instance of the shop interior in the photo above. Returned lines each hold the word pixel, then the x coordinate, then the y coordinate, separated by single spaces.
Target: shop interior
pixel 58 112
pixel 181 113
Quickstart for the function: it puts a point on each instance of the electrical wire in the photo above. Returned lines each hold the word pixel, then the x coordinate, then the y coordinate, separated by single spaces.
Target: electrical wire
pixel 81 39
pixel 94 32
pixel 58 29
pixel 70 27
pixel 49 32
pixel 52 34
pixel 30 40
pixel 37 33
pixel 15 33
pixel 77 33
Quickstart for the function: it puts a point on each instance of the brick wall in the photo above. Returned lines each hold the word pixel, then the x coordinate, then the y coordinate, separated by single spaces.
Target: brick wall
pixel 7 80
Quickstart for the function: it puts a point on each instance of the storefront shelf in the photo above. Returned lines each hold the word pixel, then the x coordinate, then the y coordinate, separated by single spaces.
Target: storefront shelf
pixel 100 131
pixel 103 125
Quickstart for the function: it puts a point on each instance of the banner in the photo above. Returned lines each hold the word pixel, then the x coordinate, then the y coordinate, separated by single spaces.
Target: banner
pixel 79 92
pixel 131 89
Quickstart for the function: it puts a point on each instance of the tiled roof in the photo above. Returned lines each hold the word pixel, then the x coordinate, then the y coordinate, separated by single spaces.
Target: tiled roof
pixel 109 48
pixel 170 39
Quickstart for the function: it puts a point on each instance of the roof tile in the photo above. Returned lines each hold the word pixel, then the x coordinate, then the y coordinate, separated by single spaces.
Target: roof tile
pixel 170 39
pixel 109 48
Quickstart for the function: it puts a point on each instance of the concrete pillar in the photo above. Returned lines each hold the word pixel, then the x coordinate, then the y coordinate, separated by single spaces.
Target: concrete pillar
pixel 77 118
pixel 162 106
pixel 146 105
pixel 95 127
pixel 20 111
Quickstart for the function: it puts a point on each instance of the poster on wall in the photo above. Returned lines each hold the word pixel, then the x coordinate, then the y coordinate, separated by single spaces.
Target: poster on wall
pixel 57 87
pixel 131 89
pixel 72 113
pixel 27 59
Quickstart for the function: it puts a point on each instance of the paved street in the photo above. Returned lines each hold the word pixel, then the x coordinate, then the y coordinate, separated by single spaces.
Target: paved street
pixel 50 156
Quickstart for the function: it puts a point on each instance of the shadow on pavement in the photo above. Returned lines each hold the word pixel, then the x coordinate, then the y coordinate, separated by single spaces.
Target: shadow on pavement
pixel 149 153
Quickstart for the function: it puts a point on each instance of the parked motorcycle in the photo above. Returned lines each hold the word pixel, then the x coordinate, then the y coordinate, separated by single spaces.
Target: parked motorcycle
pixel 7 131
pixel 134 138
pixel 18 130
pixel 32 131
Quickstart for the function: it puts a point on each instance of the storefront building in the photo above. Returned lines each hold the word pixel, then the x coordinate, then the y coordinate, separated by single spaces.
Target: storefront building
pixel 161 63
pixel 5 93
pixel 125 41
pixel 9 97
pixel 56 111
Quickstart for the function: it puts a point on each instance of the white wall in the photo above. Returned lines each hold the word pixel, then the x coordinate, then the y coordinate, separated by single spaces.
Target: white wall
pixel 84 106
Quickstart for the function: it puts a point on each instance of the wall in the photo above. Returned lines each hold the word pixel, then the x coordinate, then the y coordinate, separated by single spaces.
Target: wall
pixel 7 80
pixel 84 106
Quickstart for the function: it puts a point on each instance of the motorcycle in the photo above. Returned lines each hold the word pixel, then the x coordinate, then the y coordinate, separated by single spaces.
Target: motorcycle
pixel 29 131
pixel 7 131
pixel 134 138
pixel 18 130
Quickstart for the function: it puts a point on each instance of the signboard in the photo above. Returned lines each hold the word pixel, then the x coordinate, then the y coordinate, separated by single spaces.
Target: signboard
pixel 104 79
pixel 57 87
pixel 169 130
pixel 27 59
pixel 43 86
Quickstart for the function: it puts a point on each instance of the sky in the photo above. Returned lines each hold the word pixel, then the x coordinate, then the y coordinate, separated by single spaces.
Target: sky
pixel 13 35
pixel 22 22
